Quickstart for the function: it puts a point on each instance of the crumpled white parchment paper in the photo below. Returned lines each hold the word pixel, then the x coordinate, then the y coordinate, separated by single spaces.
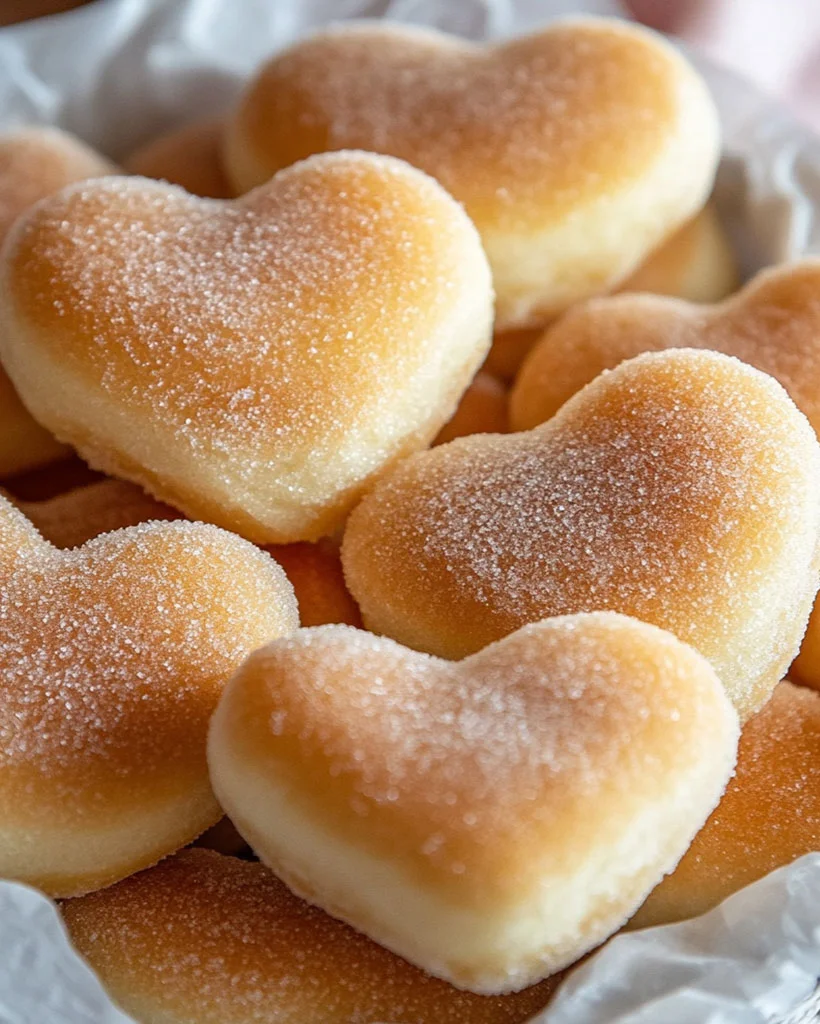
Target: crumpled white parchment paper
pixel 117 73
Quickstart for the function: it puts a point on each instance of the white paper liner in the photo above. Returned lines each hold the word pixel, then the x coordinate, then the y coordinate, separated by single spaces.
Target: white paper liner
pixel 118 73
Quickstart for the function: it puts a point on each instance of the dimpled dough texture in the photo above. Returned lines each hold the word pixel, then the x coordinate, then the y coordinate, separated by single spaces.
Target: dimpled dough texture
pixel 489 820
pixel 576 150
pixel 112 659
pixel 682 488
pixel 251 363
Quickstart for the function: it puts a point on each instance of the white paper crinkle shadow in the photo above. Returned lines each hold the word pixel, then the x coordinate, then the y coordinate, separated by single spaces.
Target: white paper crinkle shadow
pixel 120 71
pixel 42 979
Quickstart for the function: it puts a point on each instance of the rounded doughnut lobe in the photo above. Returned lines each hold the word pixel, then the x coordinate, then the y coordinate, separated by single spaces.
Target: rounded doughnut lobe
pixel 112 660
pixel 69 520
pixel 768 817
pixel 214 939
pixel 696 263
pixel 34 163
pixel 482 410
pixel 254 364
pixel 682 488
pixel 576 150
pixel 773 324
pixel 490 820
pixel 315 572
pixel 188 156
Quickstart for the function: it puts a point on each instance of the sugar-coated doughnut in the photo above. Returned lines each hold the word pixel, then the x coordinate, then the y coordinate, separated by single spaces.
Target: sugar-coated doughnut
pixel 315 572
pixel 696 263
pixel 112 659
pixel 34 163
pixel 682 488
pixel 254 364
pixel 490 820
pixel 188 156
pixel 482 410
pixel 212 939
pixel 768 817
pixel 576 150
pixel 773 323
pixel 70 519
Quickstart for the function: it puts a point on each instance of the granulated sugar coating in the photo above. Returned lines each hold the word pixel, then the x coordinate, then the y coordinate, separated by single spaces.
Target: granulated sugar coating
pixel 569 130
pixel 213 939
pixel 112 659
pixel 769 816
pixel 252 363
pixel 773 324
pixel 682 488
pixel 34 163
pixel 520 802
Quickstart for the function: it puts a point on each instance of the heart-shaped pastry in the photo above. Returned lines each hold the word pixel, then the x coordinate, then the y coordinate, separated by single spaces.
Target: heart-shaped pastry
pixel 256 954
pixel 253 363
pixel 490 820
pixel 112 659
pixel 773 323
pixel 189 156
pixel 34 163
pixel 576 150
pixel 768 817
pixel 682 488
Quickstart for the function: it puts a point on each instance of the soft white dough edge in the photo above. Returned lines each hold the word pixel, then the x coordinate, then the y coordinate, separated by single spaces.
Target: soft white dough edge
pixel 480 952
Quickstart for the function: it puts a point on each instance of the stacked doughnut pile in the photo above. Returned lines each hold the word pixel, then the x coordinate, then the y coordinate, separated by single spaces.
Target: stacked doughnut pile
pixel 458 589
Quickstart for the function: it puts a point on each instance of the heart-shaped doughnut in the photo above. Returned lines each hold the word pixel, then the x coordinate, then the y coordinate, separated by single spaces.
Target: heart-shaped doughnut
pixel 682 488
pixel 256 954
pixel 490 820
pixel 768 817
pixel 112 659
pixel 576 150
pixel 773 323
pixel 254 363
pixel 189 156
pixel 34 163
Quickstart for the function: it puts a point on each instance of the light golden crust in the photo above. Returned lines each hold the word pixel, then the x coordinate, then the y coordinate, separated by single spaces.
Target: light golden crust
pixel 681 488
pixel 254 364
pixel 482 410
pixel 490 820
pixel 77 516
pixel 213 939
pixel 315 572
pixel 696 263
pixel 188 156
pixel 34 163
pixel 773 324
pixel 112 659
pixel 576 150
pixel 768 817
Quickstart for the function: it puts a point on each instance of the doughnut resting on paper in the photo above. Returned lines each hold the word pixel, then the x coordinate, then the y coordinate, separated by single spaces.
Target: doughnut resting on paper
pixel 490 820
pixel 768 817
pixel 773 323
pixel 255 363
pixel 112 660
pixel 682 488
pixel 187 156
pixel 576 150
pixel 34 163
pixel 207 938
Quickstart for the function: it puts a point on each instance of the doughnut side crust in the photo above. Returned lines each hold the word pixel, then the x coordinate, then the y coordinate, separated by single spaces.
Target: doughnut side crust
pixel 210 938
pixel 255 365
pixel 346 762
